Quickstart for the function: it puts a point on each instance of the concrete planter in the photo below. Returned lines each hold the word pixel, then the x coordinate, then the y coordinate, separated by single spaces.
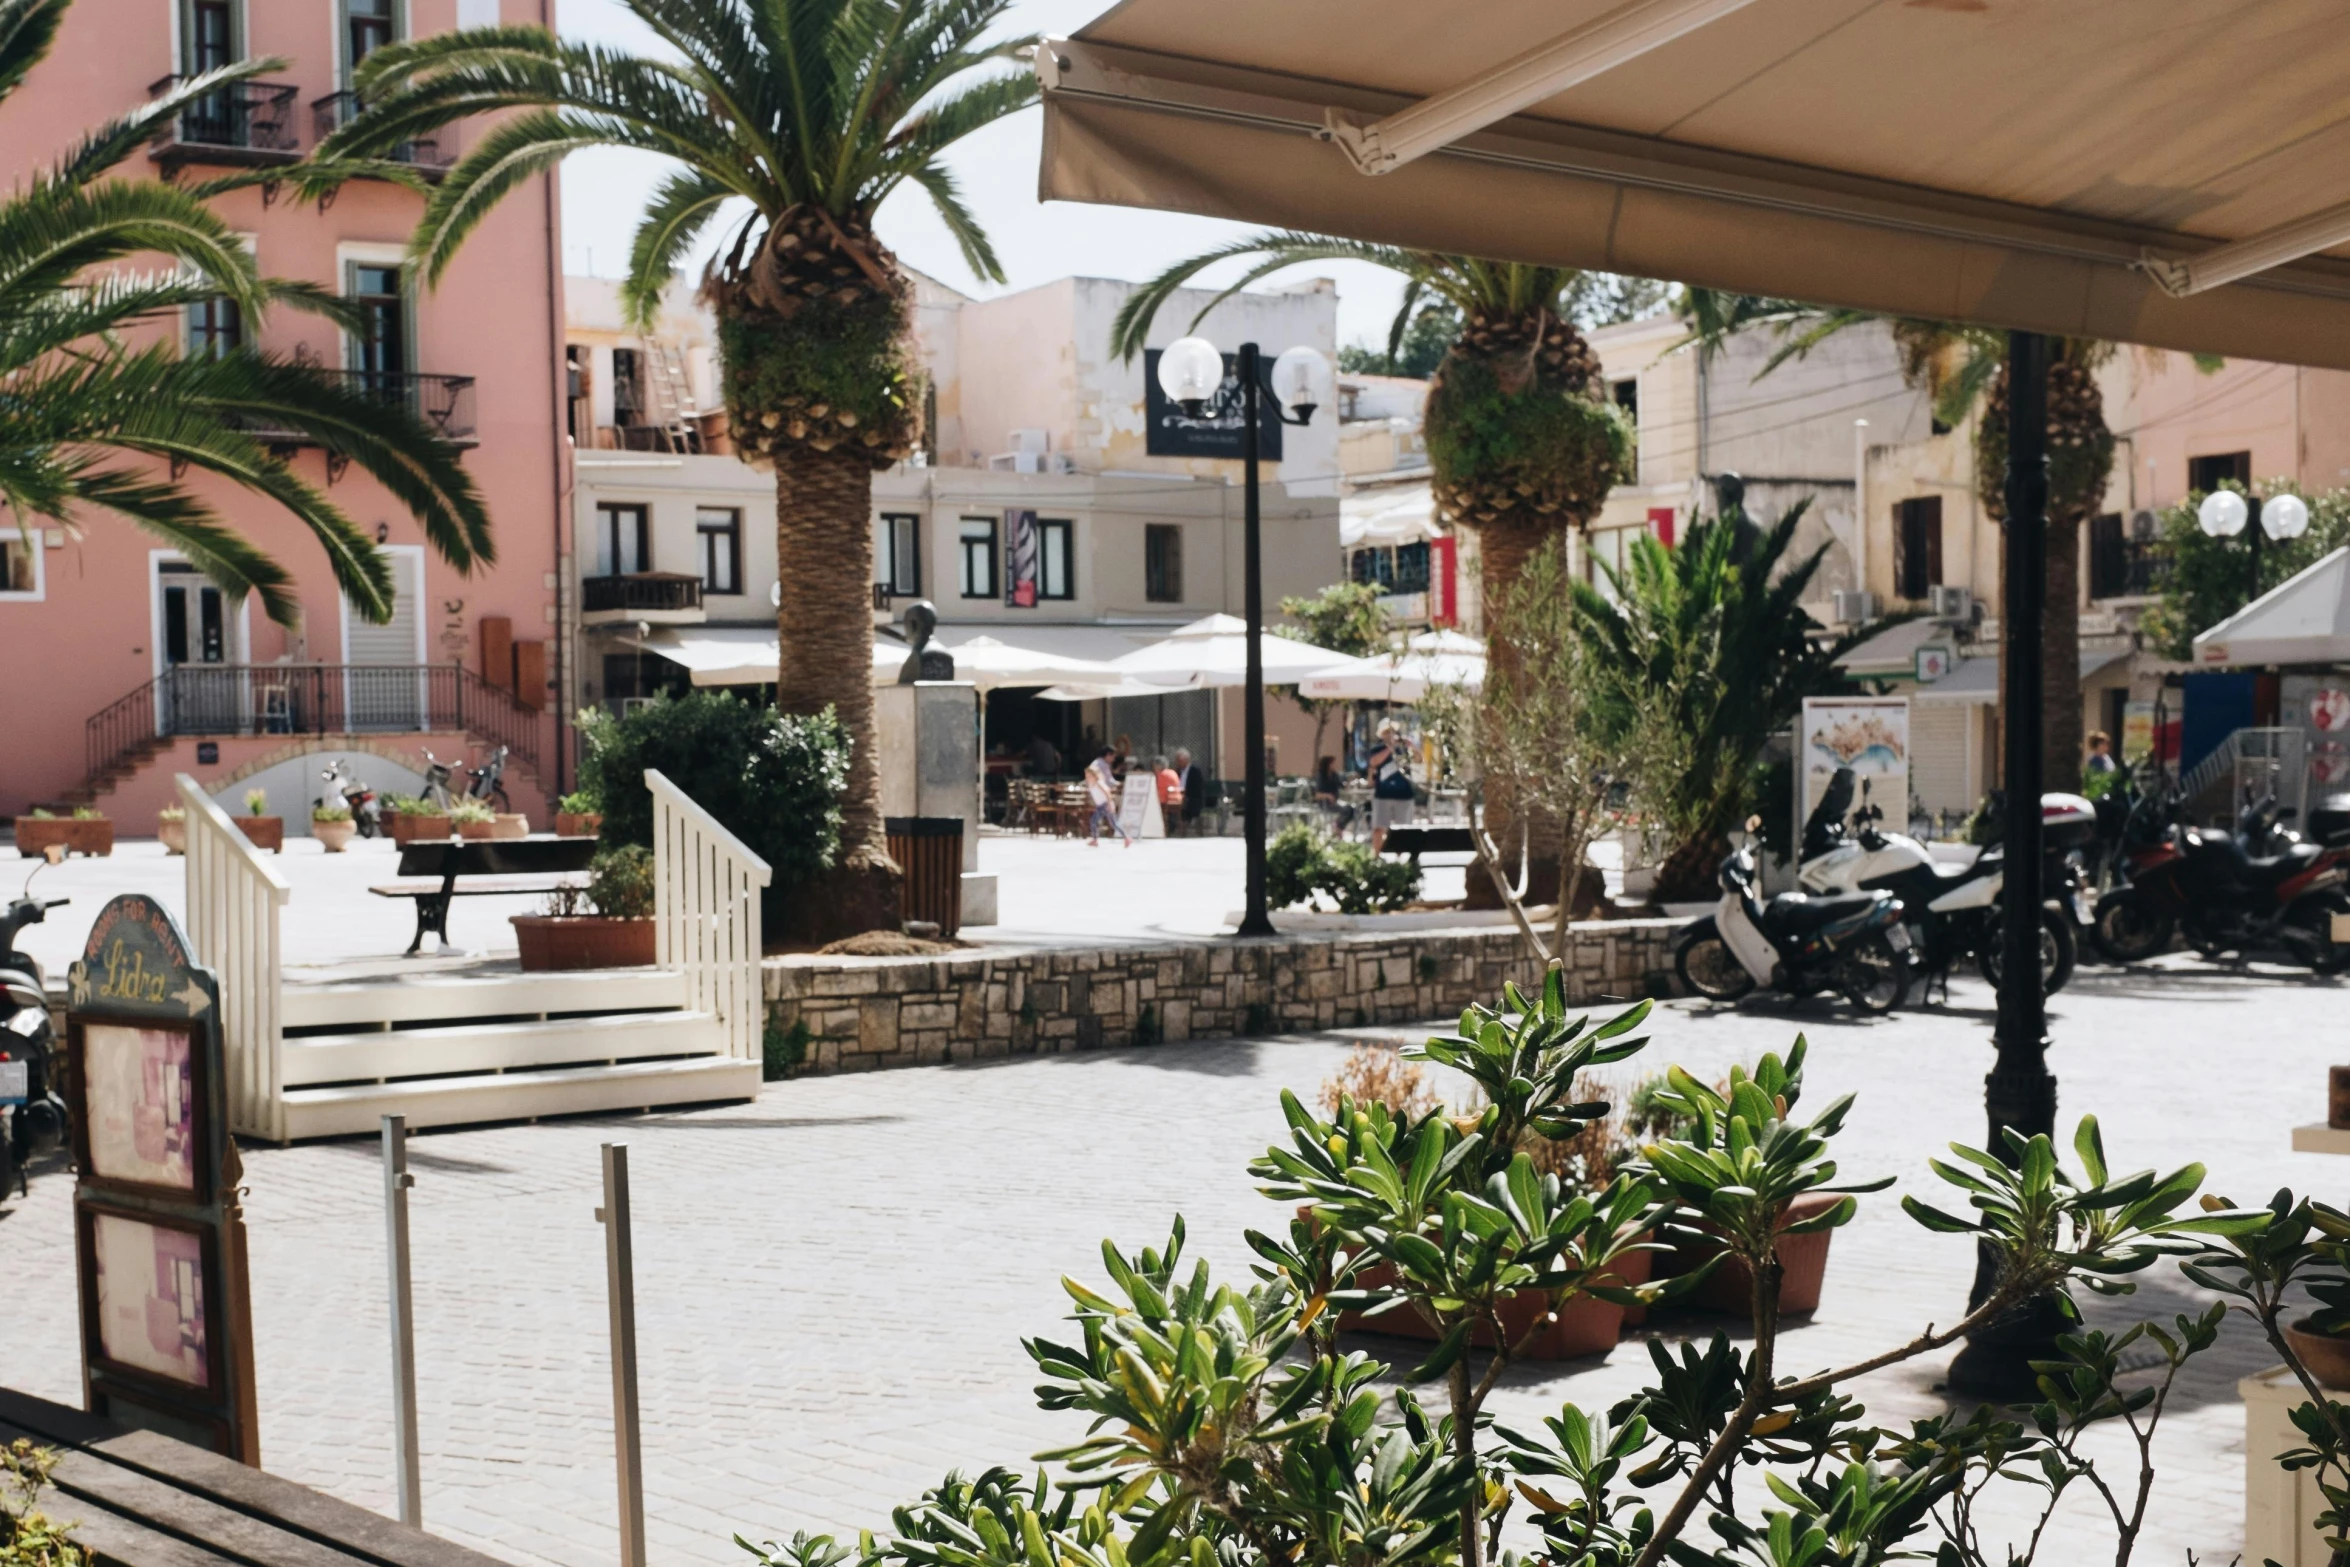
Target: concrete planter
pixel 510 824
pixel 90 835
pixel 173 834
pixel 265 832
pixel 579 824
pixel 335 836
pixel 408 829
pixel 551 943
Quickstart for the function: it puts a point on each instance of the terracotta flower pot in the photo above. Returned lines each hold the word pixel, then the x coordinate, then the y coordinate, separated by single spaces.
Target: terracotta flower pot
pixel 265 832
pixel 335 836
pixel 476 832
pixel 579 824
pixel 1803 1265
pixel 88 835
pixel 554 942
pixel 1588 1325
pixel 2326 1357
pixel 408 829
pixel 510 824
pixel 173 833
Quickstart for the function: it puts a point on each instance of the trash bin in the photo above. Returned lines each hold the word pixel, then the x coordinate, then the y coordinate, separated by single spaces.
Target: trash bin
pixel 929 850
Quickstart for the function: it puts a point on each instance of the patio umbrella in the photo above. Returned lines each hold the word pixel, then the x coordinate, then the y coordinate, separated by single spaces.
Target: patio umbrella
pixel 1431 659
pixel 989 663
pixel 1213 653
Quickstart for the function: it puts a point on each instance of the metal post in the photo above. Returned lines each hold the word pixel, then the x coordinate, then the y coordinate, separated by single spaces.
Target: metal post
pixel 407 1475
pixel 1255 922
pixel 620 1287
pixel 2254 530
pixel 2020 1092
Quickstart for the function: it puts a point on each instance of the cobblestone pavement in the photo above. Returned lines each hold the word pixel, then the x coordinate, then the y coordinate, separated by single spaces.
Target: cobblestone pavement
pixel 833 1281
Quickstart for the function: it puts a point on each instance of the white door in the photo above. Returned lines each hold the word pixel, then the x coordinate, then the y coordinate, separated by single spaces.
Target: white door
pixel 383 681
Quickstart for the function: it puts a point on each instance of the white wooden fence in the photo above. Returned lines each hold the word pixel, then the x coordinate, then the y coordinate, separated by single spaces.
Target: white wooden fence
pixel 706 909
pixel 234 895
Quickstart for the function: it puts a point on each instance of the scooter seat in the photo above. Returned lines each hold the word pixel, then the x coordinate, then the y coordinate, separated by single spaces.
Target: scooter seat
pixel 1796 912
pixel 2263 872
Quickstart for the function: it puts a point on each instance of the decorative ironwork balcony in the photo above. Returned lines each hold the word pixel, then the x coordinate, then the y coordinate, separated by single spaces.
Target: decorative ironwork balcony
pixel 243 123
pixel 444 402
pixel 2126 568
pixel 338 109
pixel 657 597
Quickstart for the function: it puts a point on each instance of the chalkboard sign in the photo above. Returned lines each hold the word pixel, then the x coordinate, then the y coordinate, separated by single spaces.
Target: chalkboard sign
pixel 167 1328
pixel 1170 432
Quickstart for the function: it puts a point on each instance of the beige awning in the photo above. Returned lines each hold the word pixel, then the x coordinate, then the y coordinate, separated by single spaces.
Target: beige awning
pixel 2091 167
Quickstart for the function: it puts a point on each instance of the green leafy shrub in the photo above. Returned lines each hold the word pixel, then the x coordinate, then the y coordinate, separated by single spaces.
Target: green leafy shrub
pixel 88 813
pixel 37 814
pixel 256 802
pixel 774 781
pixel 620 882
pixel 330 813
pixel 782 1051
pixel 1300 862
pixel 476 811
pixel 579 802
pixel 172 813
pixel 28 1537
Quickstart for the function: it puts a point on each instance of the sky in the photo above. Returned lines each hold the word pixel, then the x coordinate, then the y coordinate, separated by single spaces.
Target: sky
pixel 604 192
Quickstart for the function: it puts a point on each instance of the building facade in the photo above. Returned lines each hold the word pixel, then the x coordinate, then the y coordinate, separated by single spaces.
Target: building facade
pixel 147 670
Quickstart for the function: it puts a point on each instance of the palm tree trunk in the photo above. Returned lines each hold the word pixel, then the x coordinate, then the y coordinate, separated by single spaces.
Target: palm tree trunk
pixel 824 628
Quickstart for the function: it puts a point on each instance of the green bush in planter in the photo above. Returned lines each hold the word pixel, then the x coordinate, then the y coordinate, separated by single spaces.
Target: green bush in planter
pixel 620 882
pixel 773 780
pixel 1300 862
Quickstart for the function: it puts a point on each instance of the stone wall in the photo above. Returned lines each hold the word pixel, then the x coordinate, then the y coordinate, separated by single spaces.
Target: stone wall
pixel 862 1013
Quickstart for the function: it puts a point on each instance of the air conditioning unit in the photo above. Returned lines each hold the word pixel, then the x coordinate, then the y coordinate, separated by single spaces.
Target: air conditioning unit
pixel 1950 603
pixel 1855 607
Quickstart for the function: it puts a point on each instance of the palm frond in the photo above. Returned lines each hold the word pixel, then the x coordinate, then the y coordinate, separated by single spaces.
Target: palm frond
pixel 124 135
pixel 938 182
pixel 51 234
pixel 1277 248
pixel 28 30
pixel 681 209
pixel 172 516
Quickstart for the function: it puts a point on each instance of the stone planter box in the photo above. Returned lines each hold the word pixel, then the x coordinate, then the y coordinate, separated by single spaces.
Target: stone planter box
pixel 90 835
pixel 265 832
pixel 551 943
pixel 1588 1326
pixel 173 833
pixel 1803 1265
pixel 408 829
pixel 579 824
pixel 335 836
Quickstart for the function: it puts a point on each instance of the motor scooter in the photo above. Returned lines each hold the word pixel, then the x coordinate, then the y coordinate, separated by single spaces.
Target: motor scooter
pixel 35 1116
pixel 366 810
pixel 1801 945
pixel 436 783
pixel 2208 886
pixel 488 781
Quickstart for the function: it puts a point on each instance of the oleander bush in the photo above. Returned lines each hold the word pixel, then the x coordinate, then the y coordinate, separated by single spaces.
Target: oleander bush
pixel 1223 1422
pixel 1302 862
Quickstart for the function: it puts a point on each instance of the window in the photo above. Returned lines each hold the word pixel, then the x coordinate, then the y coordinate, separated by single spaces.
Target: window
pixel 367 26
pixel 379 350
pixel 20 562
pixel 1376 565
pixel 212 35
pixel 2205 473
pixel 1627 397
pixel 216 327
pixel 897 555
pixel 1162 562
pixel 624 540
pixel 1411 567
pixel 1917 546
pixel 626 386
pixel 975 547
pixel 1056 559
pixel 718 534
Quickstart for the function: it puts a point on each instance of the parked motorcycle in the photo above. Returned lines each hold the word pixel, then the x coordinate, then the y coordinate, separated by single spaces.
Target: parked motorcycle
pixel 488 781
pixel 366 810
pixel 2208 886
pixel 35 1116
pixel 1856 945
pixel 1953 912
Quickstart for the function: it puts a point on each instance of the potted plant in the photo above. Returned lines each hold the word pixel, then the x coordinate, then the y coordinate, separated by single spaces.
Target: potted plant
pixel 332 826
pixel 265 831
pixel 413 818
pixel 579 815
pixel 171 826
pixel 473 819
pixel 509 824
pixel 86 831
pixel 606 924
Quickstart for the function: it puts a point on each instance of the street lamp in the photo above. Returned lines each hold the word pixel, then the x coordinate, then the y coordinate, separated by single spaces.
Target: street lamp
pixel 1191 373
pixel 2224 514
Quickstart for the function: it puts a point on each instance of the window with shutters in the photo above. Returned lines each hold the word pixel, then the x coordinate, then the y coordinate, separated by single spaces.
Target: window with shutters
pixel 1162 562
pixel 1917 546
pixel 2205 474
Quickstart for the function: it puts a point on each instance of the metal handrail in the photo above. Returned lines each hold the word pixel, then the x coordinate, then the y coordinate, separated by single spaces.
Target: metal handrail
pixel 239 116
pixel 443 401
pixel 650 590
pixel 338 109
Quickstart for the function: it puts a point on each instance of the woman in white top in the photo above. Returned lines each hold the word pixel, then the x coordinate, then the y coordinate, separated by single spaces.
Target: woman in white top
pixel 1101 787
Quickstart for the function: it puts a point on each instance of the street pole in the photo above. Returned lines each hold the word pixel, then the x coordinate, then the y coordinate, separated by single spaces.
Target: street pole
pixel 407 1477
pixel 620 1288
pixel 2020 1093
pixel 2255 530
pixel 1255 922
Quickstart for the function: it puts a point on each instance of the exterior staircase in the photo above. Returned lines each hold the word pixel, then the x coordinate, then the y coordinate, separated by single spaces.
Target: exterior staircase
pixel 462 1049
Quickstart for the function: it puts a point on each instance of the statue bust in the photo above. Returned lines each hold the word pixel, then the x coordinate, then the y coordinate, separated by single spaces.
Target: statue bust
pixel 923 662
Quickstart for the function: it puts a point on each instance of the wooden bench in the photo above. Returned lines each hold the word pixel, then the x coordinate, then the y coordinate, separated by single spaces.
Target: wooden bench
pixel 488 868
pixel 1417 840
pixel 141 1499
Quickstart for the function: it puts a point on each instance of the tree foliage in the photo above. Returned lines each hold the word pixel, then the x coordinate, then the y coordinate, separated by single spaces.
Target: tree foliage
pixel 2205 580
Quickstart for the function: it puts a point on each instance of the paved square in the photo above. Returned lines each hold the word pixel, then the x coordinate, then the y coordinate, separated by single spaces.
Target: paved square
pixel 833 1281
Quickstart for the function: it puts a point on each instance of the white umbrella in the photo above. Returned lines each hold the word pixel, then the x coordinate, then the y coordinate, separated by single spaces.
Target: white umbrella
pixel 989 663
pixel 1213 653
pixel 1086 692
pixel 1432 659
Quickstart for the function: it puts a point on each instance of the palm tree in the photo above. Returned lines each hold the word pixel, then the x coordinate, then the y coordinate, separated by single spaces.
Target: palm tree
pixel 811 112
pixel 1964 369
pixel 76 394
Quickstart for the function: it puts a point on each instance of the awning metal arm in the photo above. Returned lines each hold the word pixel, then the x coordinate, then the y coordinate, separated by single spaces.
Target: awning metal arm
pixel 1545 71
pixel 2180 277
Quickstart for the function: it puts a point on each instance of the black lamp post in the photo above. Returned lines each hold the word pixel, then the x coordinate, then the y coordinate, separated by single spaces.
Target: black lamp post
pixel 1191 373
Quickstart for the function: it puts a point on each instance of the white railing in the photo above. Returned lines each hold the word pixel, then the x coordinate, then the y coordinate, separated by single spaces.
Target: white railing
pixel 706 914
pixel 234 895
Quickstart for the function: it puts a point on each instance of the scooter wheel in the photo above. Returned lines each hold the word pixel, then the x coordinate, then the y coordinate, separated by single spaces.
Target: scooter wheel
pixel 2059 952
pixel 2316 917
pixel 1876 978
pixel 2127 931
pixel 1710 969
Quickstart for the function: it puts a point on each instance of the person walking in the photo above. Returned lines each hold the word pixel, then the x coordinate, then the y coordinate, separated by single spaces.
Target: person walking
pixel 1388 767
pixel 1101 787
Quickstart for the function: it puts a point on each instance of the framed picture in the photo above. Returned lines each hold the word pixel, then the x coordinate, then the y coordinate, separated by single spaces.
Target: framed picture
pixel 151 1306
pixel 143 1122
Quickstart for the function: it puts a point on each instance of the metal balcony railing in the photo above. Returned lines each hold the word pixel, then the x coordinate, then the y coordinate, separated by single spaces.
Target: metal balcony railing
pixel 338 109
pixel 2126 568
pixel 243 122
pixel 444 402
pixel 640 591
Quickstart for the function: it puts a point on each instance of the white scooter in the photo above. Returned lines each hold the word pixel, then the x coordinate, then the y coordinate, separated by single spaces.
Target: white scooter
pixel 1802 945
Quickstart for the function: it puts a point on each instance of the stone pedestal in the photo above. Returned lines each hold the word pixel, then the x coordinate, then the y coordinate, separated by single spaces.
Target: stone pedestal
pixel 929 765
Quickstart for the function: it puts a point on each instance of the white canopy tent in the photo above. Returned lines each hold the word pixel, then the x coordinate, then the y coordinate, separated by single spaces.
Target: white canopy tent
pixel 2302 620
pixel 1431 659
pixel 1212 652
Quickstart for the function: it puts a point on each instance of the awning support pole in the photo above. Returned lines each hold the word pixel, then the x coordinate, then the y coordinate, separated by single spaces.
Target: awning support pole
pixel 1255 921
pixel 2020 1093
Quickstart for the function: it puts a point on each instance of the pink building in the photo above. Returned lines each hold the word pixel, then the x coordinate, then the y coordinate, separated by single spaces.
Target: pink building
pixel 130 667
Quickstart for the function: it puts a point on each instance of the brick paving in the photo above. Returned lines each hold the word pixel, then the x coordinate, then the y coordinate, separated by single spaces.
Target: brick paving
pixel 833 1281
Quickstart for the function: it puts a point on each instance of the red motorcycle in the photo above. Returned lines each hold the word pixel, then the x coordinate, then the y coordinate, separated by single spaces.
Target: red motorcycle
pixel 2223 897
